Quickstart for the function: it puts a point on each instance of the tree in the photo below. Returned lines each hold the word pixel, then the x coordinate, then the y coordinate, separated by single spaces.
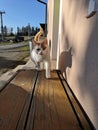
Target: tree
pixel 23 31
pixel 11 33
pixel 18 31
pixel 5 31
pixel 27 30
pixel 32 31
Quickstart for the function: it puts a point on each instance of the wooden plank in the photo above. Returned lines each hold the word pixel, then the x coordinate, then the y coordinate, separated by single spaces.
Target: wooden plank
pixel 13 99
pixel 40 116
pixel 22 124
pixel 30 121
pixel 53 110
pixel 52 104
pixel 67 119
pixel 49 109
pixel 86 124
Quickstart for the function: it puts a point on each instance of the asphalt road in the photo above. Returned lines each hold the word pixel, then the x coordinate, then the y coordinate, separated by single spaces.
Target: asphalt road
pixel 10 58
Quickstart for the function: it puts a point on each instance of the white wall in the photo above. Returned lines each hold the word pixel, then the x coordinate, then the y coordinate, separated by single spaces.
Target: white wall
pixel 53 24
pixel 50 21
pixel 79 54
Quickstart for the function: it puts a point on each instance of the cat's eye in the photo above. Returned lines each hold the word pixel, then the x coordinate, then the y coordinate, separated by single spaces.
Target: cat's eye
pixel 44 48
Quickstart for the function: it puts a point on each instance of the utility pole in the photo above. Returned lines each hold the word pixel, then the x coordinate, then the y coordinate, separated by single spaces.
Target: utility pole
pixel 1 13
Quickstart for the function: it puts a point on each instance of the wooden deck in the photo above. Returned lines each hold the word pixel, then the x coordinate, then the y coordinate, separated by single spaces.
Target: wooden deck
pixel 32 102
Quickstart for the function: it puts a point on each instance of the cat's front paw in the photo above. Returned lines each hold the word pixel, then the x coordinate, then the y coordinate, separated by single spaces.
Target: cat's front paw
pixel 48 76
pixel 37 67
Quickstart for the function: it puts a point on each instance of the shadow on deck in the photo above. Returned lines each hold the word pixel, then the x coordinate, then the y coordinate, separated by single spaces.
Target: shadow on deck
pixel 32 102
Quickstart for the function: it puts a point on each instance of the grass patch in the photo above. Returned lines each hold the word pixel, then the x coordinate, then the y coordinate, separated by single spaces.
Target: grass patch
pixel 11 42
pixel 25 48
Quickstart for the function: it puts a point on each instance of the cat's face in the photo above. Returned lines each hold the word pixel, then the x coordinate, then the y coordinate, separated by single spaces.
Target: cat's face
pixel 40 47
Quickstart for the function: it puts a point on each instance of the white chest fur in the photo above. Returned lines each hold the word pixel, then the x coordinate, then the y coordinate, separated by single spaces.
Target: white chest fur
pixel 36 57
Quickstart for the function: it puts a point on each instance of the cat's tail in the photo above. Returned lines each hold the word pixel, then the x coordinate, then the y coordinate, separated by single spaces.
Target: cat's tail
pixel 38 35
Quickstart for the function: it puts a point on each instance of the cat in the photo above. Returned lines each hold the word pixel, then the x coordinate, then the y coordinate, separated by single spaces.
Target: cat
pixel 40 52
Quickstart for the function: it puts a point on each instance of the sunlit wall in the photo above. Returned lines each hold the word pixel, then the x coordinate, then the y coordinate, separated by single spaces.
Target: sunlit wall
pixel 78 58
pixel 53 23
pixel 50 21
pixel 79 54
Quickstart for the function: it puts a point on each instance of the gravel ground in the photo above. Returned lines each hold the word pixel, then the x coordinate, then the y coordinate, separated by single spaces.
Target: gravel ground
pixel 10 58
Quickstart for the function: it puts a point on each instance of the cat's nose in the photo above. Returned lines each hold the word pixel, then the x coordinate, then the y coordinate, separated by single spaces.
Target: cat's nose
pixel 38 49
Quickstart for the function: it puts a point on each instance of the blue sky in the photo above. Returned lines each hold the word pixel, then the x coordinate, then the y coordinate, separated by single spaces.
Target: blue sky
pixel 21 12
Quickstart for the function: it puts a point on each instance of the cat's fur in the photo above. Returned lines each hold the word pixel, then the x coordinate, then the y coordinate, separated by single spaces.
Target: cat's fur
pixel 40 52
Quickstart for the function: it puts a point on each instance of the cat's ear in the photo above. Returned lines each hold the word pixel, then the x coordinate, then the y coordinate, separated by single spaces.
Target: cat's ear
pixel 44 44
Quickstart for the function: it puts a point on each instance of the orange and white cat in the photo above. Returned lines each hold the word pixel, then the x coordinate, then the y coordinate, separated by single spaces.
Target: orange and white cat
pixel 40 52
